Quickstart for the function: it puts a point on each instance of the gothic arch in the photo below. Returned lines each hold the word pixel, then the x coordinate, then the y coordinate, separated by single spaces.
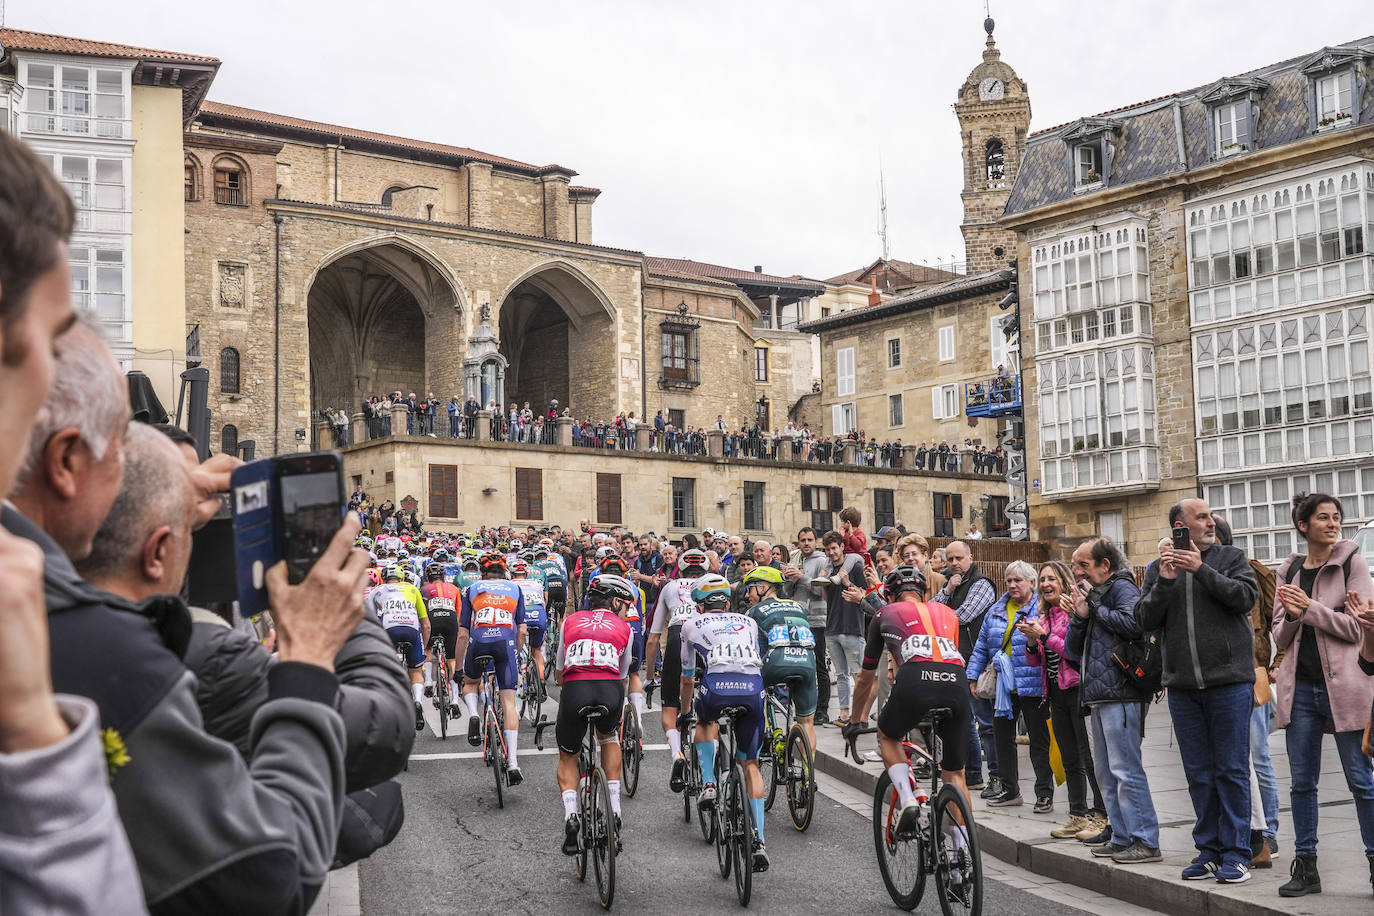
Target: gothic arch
pixel 569 287
pixel 230 162
pixel 376 244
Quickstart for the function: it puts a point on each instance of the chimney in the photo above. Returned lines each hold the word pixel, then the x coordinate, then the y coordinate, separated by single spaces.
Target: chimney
pixel 874 297
pixel 758 268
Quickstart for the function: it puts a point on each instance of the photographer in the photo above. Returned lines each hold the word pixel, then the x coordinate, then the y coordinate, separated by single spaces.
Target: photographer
pixel 210 832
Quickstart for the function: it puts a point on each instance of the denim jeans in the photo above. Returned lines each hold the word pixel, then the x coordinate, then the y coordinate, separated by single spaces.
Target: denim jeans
pixel 1117 732
pixel 1213 729
pixel 982 745
pixel 1311 711
pixel 848 654
pixel 1263 766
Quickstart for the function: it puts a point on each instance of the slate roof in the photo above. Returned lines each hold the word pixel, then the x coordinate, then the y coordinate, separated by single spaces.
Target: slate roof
pixel 1149 140
pixel 966 287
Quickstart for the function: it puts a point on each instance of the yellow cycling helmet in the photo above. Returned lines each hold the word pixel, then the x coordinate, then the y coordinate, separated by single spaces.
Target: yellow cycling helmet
pixel 766 575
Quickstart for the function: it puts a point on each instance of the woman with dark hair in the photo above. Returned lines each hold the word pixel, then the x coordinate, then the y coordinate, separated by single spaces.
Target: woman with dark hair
pixel 1319 604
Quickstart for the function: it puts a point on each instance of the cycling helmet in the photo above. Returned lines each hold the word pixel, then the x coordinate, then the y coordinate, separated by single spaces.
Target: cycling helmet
pixel 607 586
pixel 492 562
pixel 905 579
pixel 403 554
pixel 692 559
pixel 394 574
pixel 374 577
pixel 762 575
pixel 516 544
pixel 434 572
pixel 615 564
pixel 520 569
pixel 440 555
pixel 604 552
pixel 364 542
pixel 712 591
pixel 546 542
pixel 540 553
pixel 471 563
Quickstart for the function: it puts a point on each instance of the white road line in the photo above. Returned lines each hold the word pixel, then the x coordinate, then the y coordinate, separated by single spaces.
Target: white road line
pixel 524 752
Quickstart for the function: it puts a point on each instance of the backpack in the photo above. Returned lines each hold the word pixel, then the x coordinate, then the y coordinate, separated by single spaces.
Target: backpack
pixel 1141 660
pixel 1294 567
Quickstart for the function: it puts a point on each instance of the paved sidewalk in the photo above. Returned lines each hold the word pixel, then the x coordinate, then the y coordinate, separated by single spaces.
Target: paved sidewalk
pixel 1017 836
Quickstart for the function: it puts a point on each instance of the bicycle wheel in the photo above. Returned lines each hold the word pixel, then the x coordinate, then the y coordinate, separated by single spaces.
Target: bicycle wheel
pixel 630 750
pixel 770 769
pixel 723 827
pixel 900 861
pixel 498 762
pixel 741 835
pixel 691 788
pixel 534 695
pixel 800 767
pixel 958 861
pixel 584 808
pixel 442 687
pixel 603 839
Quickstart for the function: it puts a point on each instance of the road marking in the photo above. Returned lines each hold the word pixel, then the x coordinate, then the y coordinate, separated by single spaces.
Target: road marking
pixel 477 755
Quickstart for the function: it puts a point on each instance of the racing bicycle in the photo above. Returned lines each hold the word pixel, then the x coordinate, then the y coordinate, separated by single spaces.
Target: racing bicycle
pixel 442 685
pixel 734 830
pixel 493 726
pixel 786 760
pixel 599 839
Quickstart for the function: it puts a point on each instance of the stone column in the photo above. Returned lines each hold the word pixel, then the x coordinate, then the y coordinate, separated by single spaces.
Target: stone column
pixel 483 430
pixel 715 443
pixel 324 434
pixel 359 427
pixel 773 310
pixel 908 457
pixel 851 451
pixel 564 432
pixel 398 419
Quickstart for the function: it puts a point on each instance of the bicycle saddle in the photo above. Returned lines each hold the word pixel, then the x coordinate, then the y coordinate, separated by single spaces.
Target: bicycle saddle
pixel 592 712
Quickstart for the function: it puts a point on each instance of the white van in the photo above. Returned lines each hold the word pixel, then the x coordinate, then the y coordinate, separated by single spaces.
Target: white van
pixel 1365 538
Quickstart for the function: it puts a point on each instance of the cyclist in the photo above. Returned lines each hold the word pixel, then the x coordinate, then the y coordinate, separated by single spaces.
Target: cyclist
pixel 593 659
pixel 923 637
pixel 615 565
pixel 441 601
pixel 471 571
pixel 536 614
pixel 550 566
pixel 674 608
pixel 786 642
pixel 733 676
pixel 491 623
pixel 401 610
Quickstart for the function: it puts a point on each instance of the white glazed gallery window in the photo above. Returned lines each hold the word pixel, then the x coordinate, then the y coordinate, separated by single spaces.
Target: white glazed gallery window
pixel 97 187
pixel 946 343
pixel 1232 124
pixel 844 371
pixel 75 100
pixel 895 410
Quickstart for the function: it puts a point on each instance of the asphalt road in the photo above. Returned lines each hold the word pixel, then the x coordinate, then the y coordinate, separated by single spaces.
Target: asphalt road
pixel 459 853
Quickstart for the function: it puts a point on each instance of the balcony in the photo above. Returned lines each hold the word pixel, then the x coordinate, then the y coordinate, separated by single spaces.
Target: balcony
pixel 997 396
pixel 1118 471
pixel 680 372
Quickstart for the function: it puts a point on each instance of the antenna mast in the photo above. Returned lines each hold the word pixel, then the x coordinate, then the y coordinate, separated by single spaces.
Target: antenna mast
pixel 882 207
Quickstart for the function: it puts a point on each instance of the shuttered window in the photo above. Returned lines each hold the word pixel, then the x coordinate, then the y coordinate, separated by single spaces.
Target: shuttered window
pixel 529 493
pixel 608 499
pixel 443 490
pixel 884 508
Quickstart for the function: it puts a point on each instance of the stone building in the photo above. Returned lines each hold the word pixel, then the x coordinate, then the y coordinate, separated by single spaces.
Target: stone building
pixel 1196 283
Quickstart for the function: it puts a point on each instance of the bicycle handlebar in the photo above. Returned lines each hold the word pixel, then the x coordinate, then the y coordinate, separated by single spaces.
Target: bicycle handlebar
pixel 543 723
pixel 851 743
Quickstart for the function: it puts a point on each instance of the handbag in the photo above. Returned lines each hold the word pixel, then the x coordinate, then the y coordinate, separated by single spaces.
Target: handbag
pixel 1367 745
pixel 1142 663
pixel 1263 691
pixel 986 687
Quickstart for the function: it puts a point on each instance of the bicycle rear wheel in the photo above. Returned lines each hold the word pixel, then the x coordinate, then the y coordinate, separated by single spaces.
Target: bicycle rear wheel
pixel 498 761
pixel 900 862
pixel 723 828
pixel 958 860
pixel 603 839
pixel 534 694
pixel 691 787
pixel 584 808
pixel 800 767
pixel 770 766
pixel 741 835
pixel 630 750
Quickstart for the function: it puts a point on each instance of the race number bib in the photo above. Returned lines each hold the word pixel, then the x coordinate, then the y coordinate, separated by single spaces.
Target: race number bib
pixel 733 653
pixel 398 612
pixel 441 604
pixel 794 634
pixel 492 613
pixel 533 592
pixel 920 645
pixel 593 653
pixel 681 613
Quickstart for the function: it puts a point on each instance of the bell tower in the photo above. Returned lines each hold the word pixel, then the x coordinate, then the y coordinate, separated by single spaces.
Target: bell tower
pixel 994 114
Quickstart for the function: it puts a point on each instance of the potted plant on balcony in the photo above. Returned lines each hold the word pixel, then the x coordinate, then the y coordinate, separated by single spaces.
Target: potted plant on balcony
pixel 1092 178
pixel 1229 148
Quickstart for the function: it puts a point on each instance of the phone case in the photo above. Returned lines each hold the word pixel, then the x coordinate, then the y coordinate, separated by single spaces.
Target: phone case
pixel 256 540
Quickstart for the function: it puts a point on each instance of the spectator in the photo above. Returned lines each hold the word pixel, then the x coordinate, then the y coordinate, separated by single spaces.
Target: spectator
pixel 62 846
pixel 1006 632
pixel 1200 599
pixel 1066 709
pixel 1104 602
pixel 914 550
pixel 806 566
pixel 762 552
pixel 855 541
pixel 843 619
pixel 1318 623
pixel 970 594
pixel 875 598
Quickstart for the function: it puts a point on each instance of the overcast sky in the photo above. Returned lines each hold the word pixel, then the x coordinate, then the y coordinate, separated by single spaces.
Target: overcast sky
pixel 742 132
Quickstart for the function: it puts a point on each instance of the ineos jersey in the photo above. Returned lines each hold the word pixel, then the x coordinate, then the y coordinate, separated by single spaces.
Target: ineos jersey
pixel 675 605
pixel 441 599
pixel 729 643
pixel 914 632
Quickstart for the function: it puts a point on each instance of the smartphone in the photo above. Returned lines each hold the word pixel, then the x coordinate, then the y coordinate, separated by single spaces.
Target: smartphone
pixel 1183 539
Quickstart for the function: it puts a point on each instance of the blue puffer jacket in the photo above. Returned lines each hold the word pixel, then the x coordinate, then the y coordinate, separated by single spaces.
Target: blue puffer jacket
pixel 1030 679
pixel 1092 640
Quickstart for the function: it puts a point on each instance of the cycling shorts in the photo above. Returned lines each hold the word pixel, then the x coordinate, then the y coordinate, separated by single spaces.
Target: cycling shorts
pixel 445 624
pixel 636 646
pixel 922 686
pixel 777 669
pixel 537 622
pixel 504 656
pixel 720 691
pixel 671 687
pixel 558 592
pixel 415 655
pixel 608 692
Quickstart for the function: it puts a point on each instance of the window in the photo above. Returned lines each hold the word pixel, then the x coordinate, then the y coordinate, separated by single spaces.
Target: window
pixel 679 359
pixel 98 278
pixel 944 402
pixel 998 342
pixel 949 507
pixel 229 186
pixel 1232 123
pixel 894 353
pixel 760 364
pixel 994 159
pixel 753 506
pixel 884 508
pixel 684 502
pixel 190 179
pixel 844 417
pixel 97 188
pixel 995 520
pixel 1111 524
pixel 229 440
pixel 822 503
pixel 608 499
pixel 946 343
pixel 678 418
pixel 443 491
pixel 844 371
pixel 894 410
pixel 1088 159
pixel 529 493
pixel 88 101
pixel 1259 507
pixel 1091 285
pixel 1333 100
pixel 229 371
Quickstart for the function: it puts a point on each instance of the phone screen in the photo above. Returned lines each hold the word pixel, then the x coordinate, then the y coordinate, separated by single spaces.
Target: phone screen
pixel 311 510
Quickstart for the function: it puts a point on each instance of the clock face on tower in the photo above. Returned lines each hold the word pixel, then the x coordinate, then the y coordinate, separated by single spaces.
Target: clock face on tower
pixel 990 89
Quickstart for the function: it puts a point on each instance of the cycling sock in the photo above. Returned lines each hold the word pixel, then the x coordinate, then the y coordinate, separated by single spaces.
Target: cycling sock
pixel 418 690
pixel 614 786
pixel 674 741
pixel 757 805
pixel 901 778
pixel 958 835
pixel 637 698
pixel 706 755
pixel 453 693
pixel 511 735
pixel 569 803
pixel 471 700
pixel 429 677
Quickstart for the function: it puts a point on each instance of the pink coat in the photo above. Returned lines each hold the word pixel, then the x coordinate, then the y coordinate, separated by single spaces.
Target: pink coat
pixel 1338 639
pixel 1059 631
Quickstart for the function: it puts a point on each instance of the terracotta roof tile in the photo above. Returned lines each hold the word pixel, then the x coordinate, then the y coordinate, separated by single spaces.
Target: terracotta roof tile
pixel 18 39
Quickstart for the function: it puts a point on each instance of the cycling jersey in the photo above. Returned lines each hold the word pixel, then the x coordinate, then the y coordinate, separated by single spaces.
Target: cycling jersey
pixel 926 632
pixel 789 650
pixel 441 601
pixel 492 608
pixel 674 606
pixel 536 614
pixel 595 645
pixel 553 573
pixel 734 673
pixel 396 604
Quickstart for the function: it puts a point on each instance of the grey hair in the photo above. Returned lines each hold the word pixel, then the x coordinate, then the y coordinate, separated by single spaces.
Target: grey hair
pixel 155 492
pixel 1022 569
pixel 85 395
